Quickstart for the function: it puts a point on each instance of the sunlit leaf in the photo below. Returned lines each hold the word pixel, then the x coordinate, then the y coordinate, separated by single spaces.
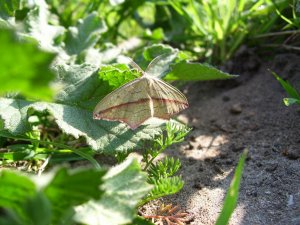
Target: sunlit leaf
pixel 85 34
pixel 124 186
pixel 31 74
pixel 196 71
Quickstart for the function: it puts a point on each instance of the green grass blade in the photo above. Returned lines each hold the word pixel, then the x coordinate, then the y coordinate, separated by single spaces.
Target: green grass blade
pixel 233 192
pixel 291 101
pixel 81 153
pixel 287 87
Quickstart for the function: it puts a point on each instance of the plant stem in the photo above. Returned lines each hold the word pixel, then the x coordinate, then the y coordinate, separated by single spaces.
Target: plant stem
pixel 76 151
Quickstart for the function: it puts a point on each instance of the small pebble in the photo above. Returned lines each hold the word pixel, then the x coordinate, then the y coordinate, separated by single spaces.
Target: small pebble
pixel 292 154
pixel 218 169
pixel 182 118
pixel 198 186
pixel 290 200
pixel 236 148
pixel 226 98
pixel 189 146
pixel 192 161
pixel 236 108
pixel 199 147
pixel 271 167
pixel 192 138
pixel 200 169
pixel 229 161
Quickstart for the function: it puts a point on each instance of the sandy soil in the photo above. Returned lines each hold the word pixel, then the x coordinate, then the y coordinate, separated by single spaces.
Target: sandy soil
pixel 229 116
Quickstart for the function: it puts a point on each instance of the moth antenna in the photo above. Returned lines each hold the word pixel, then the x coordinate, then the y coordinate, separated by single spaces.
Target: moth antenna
pixel 127 60
pixel 136 66
pixel 155 60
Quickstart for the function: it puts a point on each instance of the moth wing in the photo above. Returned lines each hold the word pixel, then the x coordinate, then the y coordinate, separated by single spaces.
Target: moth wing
pixel 129 104
pixel 167 100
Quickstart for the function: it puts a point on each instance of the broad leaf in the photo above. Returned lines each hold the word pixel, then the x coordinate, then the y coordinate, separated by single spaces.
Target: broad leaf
pixel 30 77
pixel 15 190
pixel 80 85
pixel 67 189
pixel 104 136
pixel 38 209
pixel 196 71
pixel 117 75
pixel 37 26
pixel 85 34
pixel 84 86
pixel 146 55
pixel 124 186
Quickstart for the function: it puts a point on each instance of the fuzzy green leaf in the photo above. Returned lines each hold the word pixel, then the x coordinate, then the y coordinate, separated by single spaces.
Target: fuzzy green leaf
pixel 36 26
pixel 74 188
pixel 15 189
pixel 38 209
pixel 101 135
pixel 80 86
pixel 124 186
pixel 196 72
pixel 30 77
pixel 85 34
pixel 145 56
pixel 117 75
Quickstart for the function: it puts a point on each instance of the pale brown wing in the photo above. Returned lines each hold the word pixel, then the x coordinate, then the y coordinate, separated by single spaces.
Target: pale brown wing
pixel 167 100
pixel 129 104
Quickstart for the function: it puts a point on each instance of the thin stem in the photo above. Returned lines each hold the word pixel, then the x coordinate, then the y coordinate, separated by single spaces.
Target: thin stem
pixel 76 151
pixel 277 33
pixel 43 167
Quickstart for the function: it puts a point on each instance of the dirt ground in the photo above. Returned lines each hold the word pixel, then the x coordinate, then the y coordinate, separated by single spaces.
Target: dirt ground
pixel 228 116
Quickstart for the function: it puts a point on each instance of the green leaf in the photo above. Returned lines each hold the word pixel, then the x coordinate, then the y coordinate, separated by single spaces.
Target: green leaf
pixel 38 209
pixel 84 86
pixel 82 89
pixel 163 187
pixel 31 77
pixel 117 75
pixel 196 72
pixel 146 55
pixel 101 135
pixel 36 25
pixel 70 189
pixel 291 101
pixel 85 34
pixel 124 186
pixel 15 190
pixel 8 8
pixel 10 217
pixel 292 92
pixel 80 85
pixel 233 192
pixel 164 168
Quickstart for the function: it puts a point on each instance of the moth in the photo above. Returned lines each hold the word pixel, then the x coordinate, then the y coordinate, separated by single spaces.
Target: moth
pixel 143 98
